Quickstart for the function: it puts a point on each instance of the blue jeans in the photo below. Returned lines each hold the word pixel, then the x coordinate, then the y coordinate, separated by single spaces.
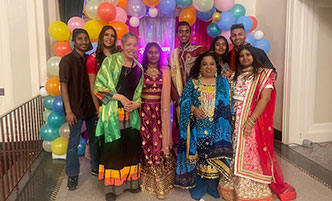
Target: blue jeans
pixel 72 160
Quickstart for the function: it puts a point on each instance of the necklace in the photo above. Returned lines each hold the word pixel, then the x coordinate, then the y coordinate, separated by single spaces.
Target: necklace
pixel 152 72
pixel 250 68
pixel 128 70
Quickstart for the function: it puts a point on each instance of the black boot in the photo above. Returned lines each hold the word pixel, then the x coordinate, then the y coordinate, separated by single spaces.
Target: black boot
pixel 110 197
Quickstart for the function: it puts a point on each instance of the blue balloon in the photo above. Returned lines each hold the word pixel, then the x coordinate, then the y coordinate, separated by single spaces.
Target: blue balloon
pixel 58 105
pixel 81 147
pixel 205 16
pixel 94 48
pixel 184 3
pixel 251 39
pixel 167 6
pixel 263 44
pixel 246 21
pixel 48 102
pixel 227 19
pixel 48 133
pixel 213 30
pixel 55 120
pixel 136 8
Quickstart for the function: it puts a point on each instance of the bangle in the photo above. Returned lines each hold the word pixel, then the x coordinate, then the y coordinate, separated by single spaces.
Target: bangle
pixel 192 109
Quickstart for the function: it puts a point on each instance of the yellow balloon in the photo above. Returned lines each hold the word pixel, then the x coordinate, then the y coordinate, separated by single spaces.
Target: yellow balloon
pixel 59 31
pixel 59 146
pixel 93 27
pixel 216 17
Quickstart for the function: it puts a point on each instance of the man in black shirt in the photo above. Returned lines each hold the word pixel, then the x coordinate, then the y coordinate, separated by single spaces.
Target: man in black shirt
pixel 238 37
pixel 78 105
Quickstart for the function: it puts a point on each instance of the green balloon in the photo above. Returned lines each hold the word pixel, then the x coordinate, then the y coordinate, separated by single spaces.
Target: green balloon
pixel 238 10
pixel 48 102
pixel 53 65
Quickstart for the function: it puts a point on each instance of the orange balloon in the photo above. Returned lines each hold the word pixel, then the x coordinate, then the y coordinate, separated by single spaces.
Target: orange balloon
pixel 151 3
pixel 120 28
pixel 122 4
pixel 106 11
pixel 53 86
pixel 62 48
pixel 188 15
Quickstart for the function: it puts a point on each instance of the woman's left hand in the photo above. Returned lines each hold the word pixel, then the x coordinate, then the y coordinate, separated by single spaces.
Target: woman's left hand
pixel 247 130
pixel 131 106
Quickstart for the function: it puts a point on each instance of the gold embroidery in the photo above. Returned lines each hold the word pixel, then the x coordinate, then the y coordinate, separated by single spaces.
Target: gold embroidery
pixel 154 129
pixel 142 114
pixel 158 122
pixel 206 132
pixel 155 143
pixel 148 107
pixel 143 143
pixel 147 121
pixel 148 136
pixel 143 129
pixel 153 116
pixel 265 149
pixel 270 128
pixel 160 136
pixel 157 108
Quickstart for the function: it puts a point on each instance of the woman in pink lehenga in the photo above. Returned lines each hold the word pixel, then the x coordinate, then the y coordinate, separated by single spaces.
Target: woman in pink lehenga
pixel 158 164
pixel 256 171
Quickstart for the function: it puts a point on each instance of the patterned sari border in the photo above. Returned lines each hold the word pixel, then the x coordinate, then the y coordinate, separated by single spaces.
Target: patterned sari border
pixel 238 167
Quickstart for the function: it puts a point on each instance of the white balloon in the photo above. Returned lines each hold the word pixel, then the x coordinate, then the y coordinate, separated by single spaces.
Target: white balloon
pixel 43 92
pixel 153 12
pixel 47 146
pixel 114 2
pixel 258 35
pixel 134 21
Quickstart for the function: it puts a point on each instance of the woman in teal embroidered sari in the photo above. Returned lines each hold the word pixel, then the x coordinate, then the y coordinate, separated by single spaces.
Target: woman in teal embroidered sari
pixel 119 86
pixel 205 145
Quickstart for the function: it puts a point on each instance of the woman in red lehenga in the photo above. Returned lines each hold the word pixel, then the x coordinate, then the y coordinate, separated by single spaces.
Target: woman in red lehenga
pixel 256 171
pixel 158 164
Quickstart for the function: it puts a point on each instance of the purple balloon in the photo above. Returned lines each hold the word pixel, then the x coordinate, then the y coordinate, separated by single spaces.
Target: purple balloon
pixel 58 105
pixel 226 20
pixel 246 21
pixel 167 6
pixel 136 8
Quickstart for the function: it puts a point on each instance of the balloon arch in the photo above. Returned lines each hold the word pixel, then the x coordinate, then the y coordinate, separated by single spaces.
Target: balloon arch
pixel 97 13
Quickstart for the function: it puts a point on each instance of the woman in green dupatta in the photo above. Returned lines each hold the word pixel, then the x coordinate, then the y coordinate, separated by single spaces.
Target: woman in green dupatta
pixel 119 86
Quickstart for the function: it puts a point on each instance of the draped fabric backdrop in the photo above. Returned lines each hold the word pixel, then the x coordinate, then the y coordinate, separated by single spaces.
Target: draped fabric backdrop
pixel 70 8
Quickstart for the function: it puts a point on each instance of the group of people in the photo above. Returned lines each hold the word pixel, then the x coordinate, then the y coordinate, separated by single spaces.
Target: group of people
pixel 220 140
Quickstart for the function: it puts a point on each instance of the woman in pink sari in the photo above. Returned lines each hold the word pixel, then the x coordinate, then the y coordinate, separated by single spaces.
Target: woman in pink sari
pixel 256 171
pixel 158 164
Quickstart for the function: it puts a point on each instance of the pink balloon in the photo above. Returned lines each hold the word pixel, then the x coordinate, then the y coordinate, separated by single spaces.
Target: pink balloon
pixel 227 35
pixel 75 22
pixel 121 15
pixel 224 5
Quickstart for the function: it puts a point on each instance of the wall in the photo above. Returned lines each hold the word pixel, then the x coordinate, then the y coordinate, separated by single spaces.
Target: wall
pixel 24 49
pixel 323 89
pixel 271 17
pixel 307 97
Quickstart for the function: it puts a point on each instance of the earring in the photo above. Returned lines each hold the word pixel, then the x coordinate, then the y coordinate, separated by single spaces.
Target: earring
pixel 216 74
pixel 199 75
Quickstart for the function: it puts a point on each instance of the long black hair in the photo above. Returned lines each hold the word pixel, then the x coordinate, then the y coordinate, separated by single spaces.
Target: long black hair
pixel 257 64
pixel 224 57
pixel 100 56
pixel 145 61
pixel 194 72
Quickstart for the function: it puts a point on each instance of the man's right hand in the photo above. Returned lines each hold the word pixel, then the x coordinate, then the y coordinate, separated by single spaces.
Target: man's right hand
pixel 71 119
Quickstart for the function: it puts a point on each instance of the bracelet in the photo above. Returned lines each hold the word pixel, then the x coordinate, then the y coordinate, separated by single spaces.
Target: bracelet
pixel 251 122
pixel 254 116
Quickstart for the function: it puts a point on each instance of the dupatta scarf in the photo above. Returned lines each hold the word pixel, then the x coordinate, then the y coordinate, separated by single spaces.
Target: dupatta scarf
pixel 271 171
pixel 105 87
pixel 220 149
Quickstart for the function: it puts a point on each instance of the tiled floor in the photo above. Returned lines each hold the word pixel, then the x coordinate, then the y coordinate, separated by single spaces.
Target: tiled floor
pixel 307 188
